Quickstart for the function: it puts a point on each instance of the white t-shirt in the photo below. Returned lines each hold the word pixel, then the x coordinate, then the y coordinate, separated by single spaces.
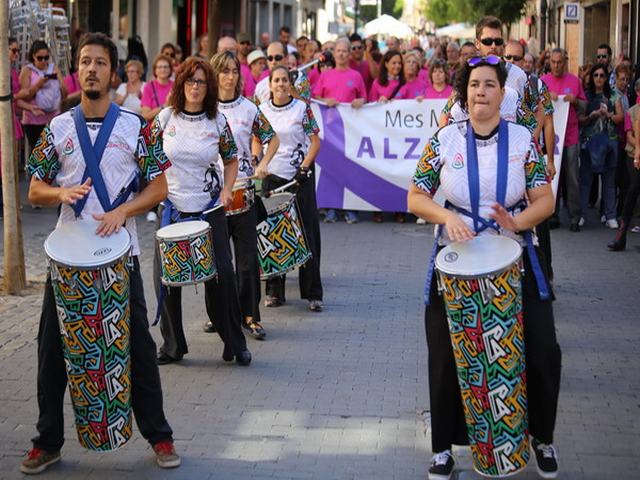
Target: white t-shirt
pixel 134 148
pixel 301 85
pixel 516 78
pixel 131 102
pixel 246 120
pixel 294 123
pixel 198 148
pixel 444 166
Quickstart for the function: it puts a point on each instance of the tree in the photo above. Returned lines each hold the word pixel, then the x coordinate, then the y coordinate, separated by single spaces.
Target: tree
pixel 213 25
pixel 390 7
pixel 444 12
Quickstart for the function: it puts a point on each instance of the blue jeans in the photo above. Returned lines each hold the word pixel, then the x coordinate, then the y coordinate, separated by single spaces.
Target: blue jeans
pixel 608 180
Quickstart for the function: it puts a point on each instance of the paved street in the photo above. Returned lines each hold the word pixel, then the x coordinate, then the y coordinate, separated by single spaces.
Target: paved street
pixel 343 394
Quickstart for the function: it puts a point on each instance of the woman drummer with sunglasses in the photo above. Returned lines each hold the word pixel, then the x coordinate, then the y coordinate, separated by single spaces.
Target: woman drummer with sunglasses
pixel 444 166
pixel 251 130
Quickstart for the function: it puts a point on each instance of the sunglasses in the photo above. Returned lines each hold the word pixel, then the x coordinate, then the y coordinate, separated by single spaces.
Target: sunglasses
pixel 515 58
pixel 14 50
pixel 480 61
pixel 277 57
pixel 356 47
pixel 245 43
pixel 602 56
pixel 599 75
pixel 489 41
pixel 44 58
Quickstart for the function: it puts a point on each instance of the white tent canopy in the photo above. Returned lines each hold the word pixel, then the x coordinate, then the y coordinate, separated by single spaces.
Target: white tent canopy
pixel 457 30
pixel 387 25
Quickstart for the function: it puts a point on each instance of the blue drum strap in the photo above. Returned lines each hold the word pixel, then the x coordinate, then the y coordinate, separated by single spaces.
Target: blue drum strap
pixel 543 289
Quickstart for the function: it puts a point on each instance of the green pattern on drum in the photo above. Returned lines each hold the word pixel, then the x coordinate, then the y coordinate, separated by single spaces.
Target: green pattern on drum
pixel 281 243
pixel 93 312
pixel 187 261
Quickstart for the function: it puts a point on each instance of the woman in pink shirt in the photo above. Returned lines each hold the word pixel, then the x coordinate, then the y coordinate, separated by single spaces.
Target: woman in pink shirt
pixel 390 80
pixel 416 87
pixel 439 76
pixel 155 92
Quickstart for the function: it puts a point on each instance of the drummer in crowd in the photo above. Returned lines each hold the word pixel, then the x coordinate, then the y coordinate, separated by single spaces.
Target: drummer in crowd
pixel 293 121
pixel 276 56
pixel 250 130
pixel 55 158
pixel 480 87
pixel 204 157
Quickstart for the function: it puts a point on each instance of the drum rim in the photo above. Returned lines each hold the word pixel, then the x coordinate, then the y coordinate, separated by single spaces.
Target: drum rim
pixel 125 252
pixel 291 197
pixel 190 282
pixel 287 270
pixel 183 236
pixel 501 267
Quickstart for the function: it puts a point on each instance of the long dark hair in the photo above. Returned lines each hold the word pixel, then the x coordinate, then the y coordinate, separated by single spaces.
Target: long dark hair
pixel 383 76
pixel 35 46
pixel 591 87
pixel 177 98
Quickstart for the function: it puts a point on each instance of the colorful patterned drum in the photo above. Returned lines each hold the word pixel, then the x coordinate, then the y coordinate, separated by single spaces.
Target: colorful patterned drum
pixel 281 242
pixel 90 279
pixel 481 284
pixel 186 253
pixel 243 198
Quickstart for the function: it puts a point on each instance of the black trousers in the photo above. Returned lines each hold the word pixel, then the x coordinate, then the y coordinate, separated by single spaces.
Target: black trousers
pixel 220 297
pixel 309 275
pixel 631 196
pixel 543 364
pixel 146 393
pixel 543 233
pixel 242 229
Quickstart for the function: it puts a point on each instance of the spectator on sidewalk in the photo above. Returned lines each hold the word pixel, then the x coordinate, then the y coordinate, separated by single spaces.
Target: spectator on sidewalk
pixel 361 61
pixel 129 95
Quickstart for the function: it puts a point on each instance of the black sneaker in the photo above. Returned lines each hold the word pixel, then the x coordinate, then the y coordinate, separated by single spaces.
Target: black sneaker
pixel 441 466
pixel 546 459
pixel 254 328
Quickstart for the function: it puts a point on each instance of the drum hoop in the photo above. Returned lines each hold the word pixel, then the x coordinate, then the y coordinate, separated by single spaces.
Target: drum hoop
pixel 518 261
pixel 125 256
pixel 281 207
pixel 184 236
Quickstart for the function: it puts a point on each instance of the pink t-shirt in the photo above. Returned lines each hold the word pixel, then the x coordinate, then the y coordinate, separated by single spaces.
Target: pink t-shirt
pixel 154 94
pixel 72 83
pixel 363 68
pixel 313 75
pixel 249 84
pixel 343 85
pixel 567 84
pixel 423 75
pixel 433 93
pixel 413 89
pixel 378 90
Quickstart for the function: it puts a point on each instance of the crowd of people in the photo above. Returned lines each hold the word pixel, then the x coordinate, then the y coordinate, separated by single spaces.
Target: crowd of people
pixel 202 125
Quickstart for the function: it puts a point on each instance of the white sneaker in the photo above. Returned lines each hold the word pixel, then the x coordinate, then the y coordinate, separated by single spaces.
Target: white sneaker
pixel 612 224
pixel 421 221
pixel 152 217
pixel 581 222
pixel 636 229
pixel 603 219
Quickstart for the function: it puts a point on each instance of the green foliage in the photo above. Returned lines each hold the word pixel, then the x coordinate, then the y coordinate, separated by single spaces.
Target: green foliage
pixel 444 12
pixel 370 12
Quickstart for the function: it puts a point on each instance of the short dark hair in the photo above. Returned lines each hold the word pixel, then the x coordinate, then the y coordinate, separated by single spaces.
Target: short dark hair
pixel 35 46
pixel 516 42
pixel 591 88
pixel 487 22
pixel 177 98
pixel 285 29
pixel 12 40
pixel 354 37
pixel 605 46
pixel 464 73
pixel 467 44
pixel 302 37
pixel 102 40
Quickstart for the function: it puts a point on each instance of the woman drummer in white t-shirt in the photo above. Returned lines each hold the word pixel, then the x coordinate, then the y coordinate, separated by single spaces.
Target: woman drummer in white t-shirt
pixel 445 166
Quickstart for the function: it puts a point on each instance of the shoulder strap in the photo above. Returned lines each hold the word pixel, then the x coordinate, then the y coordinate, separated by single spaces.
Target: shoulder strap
pixel 93 154
pixel 155 94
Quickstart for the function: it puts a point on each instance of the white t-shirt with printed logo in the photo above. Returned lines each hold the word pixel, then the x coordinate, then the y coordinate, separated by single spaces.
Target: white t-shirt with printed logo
pixel 198 147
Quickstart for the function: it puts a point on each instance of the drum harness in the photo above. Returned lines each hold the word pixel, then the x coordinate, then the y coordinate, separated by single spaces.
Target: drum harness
pixel 479 223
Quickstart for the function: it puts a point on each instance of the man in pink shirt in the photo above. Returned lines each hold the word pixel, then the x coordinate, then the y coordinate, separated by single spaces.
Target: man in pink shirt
pixel 357 61
pixel 560 82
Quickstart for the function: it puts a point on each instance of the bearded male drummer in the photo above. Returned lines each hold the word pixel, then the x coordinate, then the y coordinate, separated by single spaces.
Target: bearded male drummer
pixel 133 149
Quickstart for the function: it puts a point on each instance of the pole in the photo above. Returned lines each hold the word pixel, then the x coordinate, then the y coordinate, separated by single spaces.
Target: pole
pixel 14 270
pixel 355 20
pixel 379 12
pixel 213 25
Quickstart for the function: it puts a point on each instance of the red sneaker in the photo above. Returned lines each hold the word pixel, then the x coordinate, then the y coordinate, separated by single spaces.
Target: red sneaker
pixel 38 461
pixel 166 456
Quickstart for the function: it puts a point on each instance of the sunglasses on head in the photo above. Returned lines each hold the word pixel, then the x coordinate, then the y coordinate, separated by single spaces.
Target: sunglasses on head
pixel 489 41
pixel 44 58
pixel 480 61
pixel 277 57
pixel 515 58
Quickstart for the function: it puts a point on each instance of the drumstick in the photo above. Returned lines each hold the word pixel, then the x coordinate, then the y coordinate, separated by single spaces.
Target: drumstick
pixel 283 187
pixel 212 209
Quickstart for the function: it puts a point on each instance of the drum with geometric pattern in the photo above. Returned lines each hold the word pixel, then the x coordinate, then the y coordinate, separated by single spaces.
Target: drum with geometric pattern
pixel 186 253
pixel 90 280
pixel 481 281
pixel 281 242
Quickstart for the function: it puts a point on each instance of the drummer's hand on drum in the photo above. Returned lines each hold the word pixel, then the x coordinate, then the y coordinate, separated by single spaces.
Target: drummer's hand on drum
pixel 110 222
pixel 457 230
pixel 70 195
pixel 504 218
pixel 226 198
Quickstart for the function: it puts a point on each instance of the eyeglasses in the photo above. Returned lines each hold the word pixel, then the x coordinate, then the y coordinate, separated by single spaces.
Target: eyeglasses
pixel 356 47
pixel 602 55
pixel 14 50
pixel 195 82
pixel 171 55
pixel 515 58
pixel 245 43
pixel 599 75
pixel 277 57
pixel 44 58
pixel 488 41
pixel 162 67
pixel 480 61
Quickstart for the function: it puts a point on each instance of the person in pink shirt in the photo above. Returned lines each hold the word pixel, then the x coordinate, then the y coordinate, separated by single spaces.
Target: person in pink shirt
pixel 560 82
pixel 439 86
pixel 257 63
pixel 361 61
pixel 390 80
pixel 156 92
pixel 416 87
pixel 73 87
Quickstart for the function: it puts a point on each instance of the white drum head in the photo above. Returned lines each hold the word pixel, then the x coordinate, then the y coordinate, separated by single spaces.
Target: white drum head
pixel 481 256
pixel 276 201
pixel 75 244
pixel 180 230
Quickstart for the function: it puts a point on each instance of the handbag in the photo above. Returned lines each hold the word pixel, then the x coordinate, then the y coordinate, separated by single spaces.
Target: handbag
pixel 597 147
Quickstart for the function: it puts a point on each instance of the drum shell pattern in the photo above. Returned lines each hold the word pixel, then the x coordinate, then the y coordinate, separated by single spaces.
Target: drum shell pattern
pixel 487 334
pixel 188 260
pixel 94 318
pixel 242 200
pixel 281 242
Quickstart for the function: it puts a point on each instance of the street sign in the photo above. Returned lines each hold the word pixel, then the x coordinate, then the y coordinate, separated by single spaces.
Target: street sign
pixel 571 12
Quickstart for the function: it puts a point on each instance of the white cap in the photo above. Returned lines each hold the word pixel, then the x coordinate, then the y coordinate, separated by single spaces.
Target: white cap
pixel 255 55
